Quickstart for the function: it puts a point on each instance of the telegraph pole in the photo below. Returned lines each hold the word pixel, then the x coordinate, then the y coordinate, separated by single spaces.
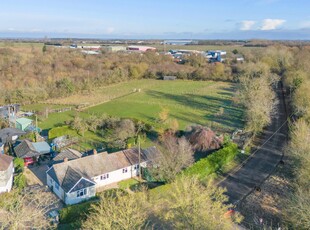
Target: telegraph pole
pixel 36 131
pixel 139 149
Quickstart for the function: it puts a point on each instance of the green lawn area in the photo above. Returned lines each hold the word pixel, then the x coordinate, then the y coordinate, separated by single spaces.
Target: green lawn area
pixel 190 102
pixel 127 183
pixel 187 101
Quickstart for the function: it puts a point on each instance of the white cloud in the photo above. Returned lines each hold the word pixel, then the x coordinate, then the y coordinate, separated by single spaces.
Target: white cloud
pixel 247 25
pixel 110 30
pixel 305 25
pixel 271 24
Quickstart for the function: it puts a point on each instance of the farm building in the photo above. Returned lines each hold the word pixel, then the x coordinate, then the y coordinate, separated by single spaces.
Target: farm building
pixel 31 151
pixel 113 49
pixel 141 48
pixel 77 180
pixel 23 123
pixel 169 78
pixel 6 173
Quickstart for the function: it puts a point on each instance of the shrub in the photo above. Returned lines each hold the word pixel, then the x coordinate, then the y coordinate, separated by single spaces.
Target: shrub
pixel 214 162
pixel 74 213
pixel 19 164
pixel 20 181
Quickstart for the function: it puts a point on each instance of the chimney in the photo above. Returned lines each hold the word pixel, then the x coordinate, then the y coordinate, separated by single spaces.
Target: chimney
pixel 66 159
pixel 95 152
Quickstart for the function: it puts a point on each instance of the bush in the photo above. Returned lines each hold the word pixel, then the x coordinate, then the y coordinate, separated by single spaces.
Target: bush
pixel 20 181
pixel 214 162
pixel 74 213
pixel 19 164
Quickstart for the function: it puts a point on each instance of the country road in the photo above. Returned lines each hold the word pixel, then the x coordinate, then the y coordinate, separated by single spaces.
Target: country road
pixel 263 162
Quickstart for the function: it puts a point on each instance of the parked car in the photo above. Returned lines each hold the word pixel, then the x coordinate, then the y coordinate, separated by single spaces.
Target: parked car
pixel 29 161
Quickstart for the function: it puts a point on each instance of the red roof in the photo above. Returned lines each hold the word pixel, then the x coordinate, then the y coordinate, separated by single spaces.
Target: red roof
pixel 5 162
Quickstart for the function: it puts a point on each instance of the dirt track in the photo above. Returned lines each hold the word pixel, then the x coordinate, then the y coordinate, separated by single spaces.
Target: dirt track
pixel 264 161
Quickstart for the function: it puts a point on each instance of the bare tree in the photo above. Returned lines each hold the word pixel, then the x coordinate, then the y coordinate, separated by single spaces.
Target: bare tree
pixel 298 207
pixel 203 138
pixel 25 210
pixel 119 212
pixel 190 205
pixel 175 155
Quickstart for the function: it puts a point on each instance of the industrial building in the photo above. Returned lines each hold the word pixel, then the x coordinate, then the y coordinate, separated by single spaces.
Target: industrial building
pixel 216 55
pixel 114 49
pixel 141 48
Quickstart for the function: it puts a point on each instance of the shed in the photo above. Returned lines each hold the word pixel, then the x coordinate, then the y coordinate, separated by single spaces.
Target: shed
pixel 169 78
pixel 42 147
pixel 23 123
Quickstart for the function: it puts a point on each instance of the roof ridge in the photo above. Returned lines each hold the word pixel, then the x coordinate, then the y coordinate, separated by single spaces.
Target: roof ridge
pixel 125 154
pixel 70 168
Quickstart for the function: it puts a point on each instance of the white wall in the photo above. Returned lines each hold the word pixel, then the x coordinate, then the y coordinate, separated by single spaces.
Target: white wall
pixel 71 198
pixel 116 176
pixel 52 184
pixel 7 179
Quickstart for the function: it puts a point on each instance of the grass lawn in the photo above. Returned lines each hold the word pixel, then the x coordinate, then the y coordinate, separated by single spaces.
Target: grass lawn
pixel 187 101
pixel 127 183
pixel 190 102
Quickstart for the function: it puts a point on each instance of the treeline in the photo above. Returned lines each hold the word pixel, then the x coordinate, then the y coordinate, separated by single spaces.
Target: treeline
pixel 297 82
pixel 31 75
pixel 258 80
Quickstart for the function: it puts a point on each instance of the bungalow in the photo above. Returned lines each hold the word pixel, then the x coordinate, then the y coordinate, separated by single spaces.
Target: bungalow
pixel 6 173
pixel 69 154
pixel 31 151
pixel 77 180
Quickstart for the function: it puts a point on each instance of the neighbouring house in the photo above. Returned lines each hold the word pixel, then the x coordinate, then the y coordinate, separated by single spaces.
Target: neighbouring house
pixel 31 151
pixel 9 111
pixel 77 180
pixel 23 123
pixel 69 154
pixel 9 135
pixel 6 173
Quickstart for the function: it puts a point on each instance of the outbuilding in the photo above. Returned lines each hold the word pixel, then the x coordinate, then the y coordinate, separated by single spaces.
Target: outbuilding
pixel 23 123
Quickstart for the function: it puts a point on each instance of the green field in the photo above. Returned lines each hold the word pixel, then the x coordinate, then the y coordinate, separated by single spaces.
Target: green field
pixel 190 102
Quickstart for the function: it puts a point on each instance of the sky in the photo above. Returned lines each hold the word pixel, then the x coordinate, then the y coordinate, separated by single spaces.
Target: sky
pixel 156 19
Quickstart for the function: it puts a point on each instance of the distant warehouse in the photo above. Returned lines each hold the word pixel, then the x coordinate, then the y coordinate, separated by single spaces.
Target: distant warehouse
pixel 141 48
pixel 114 48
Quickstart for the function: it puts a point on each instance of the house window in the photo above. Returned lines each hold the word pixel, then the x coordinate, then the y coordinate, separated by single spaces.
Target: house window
pixel 125 170
pixel 57 186
pixel 104 176
pixel 81 192
pixel 136 167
